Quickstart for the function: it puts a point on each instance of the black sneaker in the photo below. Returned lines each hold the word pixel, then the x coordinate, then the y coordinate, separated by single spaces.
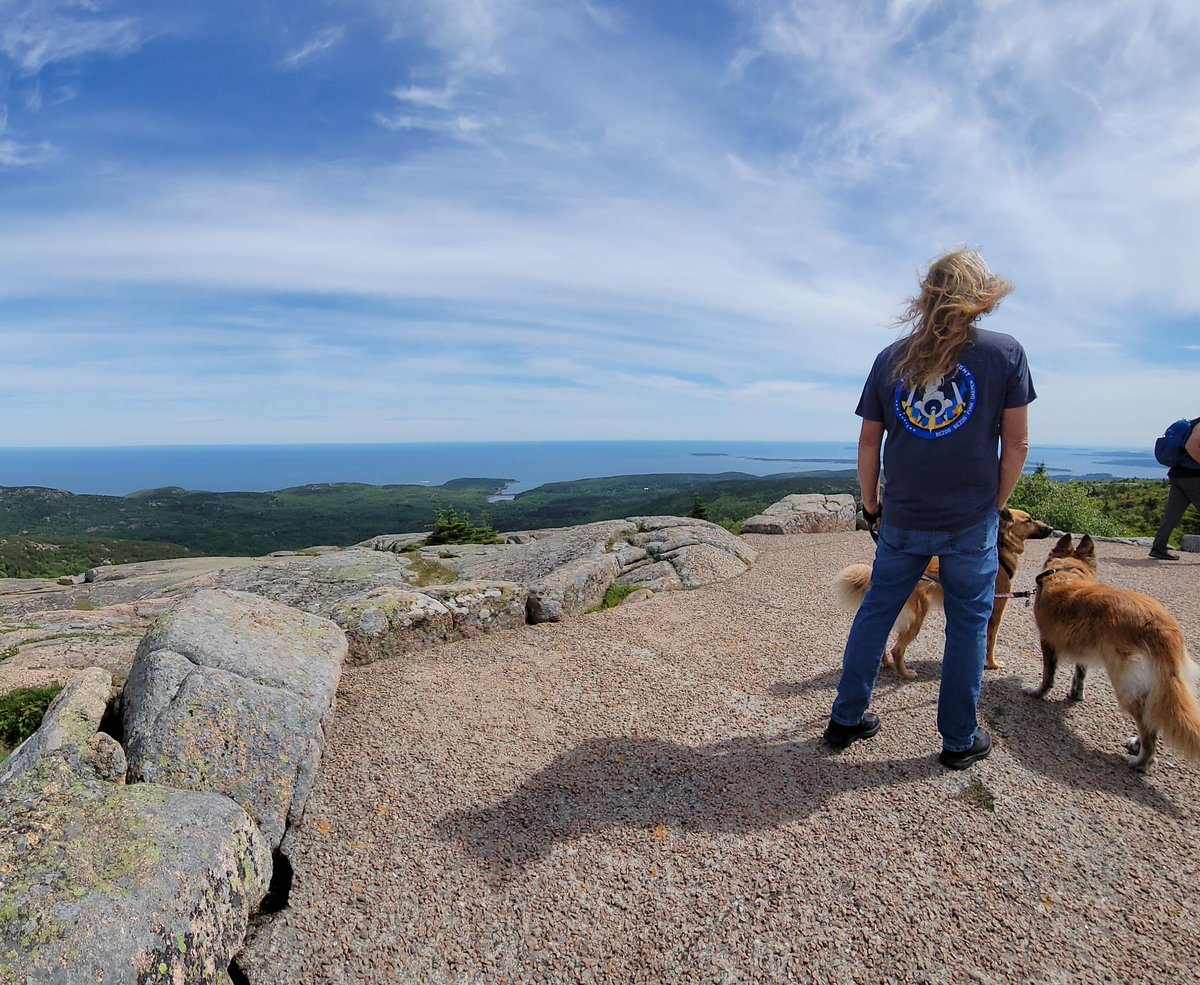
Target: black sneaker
pixel 980 749
pixel 839 736
pixel 1162 554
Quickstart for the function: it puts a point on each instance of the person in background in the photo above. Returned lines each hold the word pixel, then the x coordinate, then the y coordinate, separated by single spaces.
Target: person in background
pixel 1185 488
pixel 952 400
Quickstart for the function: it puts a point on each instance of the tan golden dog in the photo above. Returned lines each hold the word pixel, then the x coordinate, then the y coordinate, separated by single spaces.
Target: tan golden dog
pixel 852 582
pixel 1130 635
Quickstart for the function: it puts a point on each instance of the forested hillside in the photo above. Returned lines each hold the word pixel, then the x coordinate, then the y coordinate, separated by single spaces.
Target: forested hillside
pixel 49 532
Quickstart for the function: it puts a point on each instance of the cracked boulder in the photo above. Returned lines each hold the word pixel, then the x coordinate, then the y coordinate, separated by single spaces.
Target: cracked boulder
pixel 318 583
pixel 392 622
pixel 684 553
pixel 232 693
pixel 567 570
pixel 100 881
pixel 482 607
pixel 71 729
pixel 805 513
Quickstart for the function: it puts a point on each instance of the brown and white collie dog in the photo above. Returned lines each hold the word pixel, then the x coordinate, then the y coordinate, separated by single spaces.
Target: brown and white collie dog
pixel 1130 635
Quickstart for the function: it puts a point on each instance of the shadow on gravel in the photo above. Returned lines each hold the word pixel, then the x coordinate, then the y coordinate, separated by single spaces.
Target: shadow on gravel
pixel 742 785
pixel 887 682
pixel 1147 562
pixel 825 681
pixel 1033 730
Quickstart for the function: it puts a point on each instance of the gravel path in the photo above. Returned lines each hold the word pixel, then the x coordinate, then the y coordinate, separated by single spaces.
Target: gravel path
pixel 641 795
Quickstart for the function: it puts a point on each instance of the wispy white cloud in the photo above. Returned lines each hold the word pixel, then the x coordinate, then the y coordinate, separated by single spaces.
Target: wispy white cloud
pixel 455 125
pixel 468 32
pixel 975 119
pixel 555 204
pixel 36 33
pixel 607 16
pixel 14 154
pixel 422 96
pixel 320 42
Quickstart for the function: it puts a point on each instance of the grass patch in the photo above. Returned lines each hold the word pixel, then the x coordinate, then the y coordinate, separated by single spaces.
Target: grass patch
pixel 429 572
pixel 977 794
pixel 83 604
pixel 615 595
pixel 21 713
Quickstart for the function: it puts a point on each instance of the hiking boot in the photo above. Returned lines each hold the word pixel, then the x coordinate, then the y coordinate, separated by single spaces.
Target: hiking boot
pixel 1162 554
pixel 839 736
pixel 980 749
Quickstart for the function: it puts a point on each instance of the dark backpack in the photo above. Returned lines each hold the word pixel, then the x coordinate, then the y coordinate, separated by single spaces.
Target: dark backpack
pixel 1168 449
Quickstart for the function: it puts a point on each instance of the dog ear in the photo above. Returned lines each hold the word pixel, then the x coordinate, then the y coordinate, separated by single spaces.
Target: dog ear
pixel 1086 548
pixel 1062 548
pixel 1006 515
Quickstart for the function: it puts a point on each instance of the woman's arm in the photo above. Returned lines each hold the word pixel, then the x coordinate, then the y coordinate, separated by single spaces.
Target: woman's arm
pixel 1014 447
pixel 870 441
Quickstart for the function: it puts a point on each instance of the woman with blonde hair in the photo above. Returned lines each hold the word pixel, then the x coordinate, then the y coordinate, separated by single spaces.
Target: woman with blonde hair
pixel 952 400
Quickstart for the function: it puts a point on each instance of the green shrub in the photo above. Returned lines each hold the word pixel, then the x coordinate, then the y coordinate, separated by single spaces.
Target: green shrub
pixel 733 526
pixel 21 712
pixel 699 510
pixel 1065 506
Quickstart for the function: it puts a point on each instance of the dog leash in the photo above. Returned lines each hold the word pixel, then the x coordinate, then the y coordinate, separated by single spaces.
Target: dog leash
pixel 872 518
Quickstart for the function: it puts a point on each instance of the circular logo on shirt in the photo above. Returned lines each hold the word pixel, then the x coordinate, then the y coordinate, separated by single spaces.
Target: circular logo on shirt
pixel 939 409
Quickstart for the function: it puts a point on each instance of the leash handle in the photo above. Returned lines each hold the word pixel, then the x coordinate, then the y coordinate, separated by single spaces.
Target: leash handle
pixel 872 520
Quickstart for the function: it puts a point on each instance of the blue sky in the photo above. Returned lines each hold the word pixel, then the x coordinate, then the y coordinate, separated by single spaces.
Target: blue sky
pixel 404 220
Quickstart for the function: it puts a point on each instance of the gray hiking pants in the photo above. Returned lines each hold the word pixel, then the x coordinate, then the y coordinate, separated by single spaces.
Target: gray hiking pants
pixel 1184 490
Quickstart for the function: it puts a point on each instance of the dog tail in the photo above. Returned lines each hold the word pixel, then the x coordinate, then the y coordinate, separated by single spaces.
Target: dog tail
pixel 851 584
pixel 1172 706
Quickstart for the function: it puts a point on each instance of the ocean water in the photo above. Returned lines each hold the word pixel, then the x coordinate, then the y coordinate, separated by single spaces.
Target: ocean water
pixel 527 464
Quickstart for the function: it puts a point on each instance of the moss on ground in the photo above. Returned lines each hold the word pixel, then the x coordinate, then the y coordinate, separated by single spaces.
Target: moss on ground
pixel 615 595
pixel 429 572
pixel 978 794
pixel 97 841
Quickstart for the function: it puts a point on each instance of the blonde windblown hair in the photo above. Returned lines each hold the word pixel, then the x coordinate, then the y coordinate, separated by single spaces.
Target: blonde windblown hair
pixel 958 290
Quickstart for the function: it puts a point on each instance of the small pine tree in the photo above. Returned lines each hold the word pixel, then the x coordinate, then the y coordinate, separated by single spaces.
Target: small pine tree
pixel 451 528
pixel 699 510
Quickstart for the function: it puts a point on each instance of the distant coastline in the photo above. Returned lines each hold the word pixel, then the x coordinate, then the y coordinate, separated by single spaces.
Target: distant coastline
pixel 263 468
pixel 759 458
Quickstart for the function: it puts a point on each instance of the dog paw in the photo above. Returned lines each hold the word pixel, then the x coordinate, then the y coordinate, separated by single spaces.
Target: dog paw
pixel 1036 692
pixel 1134 745
pixel 907 674
pixel 1075 695
pixel 1136 764
pixel 995 665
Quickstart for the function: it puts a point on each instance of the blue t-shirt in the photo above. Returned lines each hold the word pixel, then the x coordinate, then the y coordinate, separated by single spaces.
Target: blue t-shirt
pixel 941 463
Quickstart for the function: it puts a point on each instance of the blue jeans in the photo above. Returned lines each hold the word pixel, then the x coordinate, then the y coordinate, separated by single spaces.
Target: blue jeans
pixel 968 563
